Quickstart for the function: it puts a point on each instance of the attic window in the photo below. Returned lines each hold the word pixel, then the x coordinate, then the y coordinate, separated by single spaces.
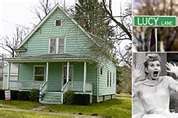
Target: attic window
pixel 58 22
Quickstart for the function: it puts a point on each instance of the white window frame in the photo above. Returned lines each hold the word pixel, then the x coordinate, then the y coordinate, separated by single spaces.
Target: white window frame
pixel 61 22
pixel 34 71
pixel 57 45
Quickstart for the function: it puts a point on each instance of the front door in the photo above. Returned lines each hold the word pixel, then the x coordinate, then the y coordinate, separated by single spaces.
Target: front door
pixel 65 73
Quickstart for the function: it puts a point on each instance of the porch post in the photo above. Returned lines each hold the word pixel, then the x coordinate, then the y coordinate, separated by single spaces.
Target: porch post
pixel 67 71
pixel 8 76
pixel 84 76
pixel 47 66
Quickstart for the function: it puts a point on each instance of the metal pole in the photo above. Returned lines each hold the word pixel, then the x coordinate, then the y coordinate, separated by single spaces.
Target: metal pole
pixel 156 39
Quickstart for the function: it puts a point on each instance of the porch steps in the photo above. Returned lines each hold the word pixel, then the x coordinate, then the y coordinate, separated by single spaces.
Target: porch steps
pixel 52 98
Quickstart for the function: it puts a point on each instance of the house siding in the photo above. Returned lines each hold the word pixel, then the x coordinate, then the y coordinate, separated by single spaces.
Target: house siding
pixel 103 89
pixel 26 71
pixel 90 76
pixel 76 42
pixel 55 76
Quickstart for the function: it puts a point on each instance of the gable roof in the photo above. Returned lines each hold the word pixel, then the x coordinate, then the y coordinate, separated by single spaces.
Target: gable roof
pixel 45 18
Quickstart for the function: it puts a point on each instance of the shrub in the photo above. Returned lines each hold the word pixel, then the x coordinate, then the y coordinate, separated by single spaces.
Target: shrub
pixel 23 95
pixel 34 95
pixel 14 94
pixel 69 97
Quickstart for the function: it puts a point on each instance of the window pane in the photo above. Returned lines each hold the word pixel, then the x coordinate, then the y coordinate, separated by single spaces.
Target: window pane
pixel 61 46
pixel 39 70
pixel 110 79
pixel 52 46
pixel 39 73
pixel 58 22
pixel 107 78
pixel 39 78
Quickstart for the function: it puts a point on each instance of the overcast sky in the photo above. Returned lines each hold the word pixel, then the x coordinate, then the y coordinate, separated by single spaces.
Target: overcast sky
pixel 20 12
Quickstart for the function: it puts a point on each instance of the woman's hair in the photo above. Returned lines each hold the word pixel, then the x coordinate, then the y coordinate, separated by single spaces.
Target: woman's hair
pixel 150 58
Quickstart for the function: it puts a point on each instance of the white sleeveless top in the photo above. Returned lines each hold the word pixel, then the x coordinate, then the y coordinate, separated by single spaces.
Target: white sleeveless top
pixel 155 95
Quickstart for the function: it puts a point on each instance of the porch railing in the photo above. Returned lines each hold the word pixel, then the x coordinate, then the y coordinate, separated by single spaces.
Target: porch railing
pixel 24 84
pixel 77 86
pixel 43 88
pixel 66 87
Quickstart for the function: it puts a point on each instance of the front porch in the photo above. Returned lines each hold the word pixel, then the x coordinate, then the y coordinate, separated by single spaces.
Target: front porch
pixel 57 78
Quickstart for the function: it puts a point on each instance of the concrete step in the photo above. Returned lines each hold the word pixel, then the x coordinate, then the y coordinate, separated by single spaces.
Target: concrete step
pixel 52 98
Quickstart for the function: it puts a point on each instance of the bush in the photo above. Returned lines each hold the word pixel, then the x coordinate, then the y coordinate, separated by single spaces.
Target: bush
pixel 14 94
pixel 23 95
pixel 2 95
pixel 69 97
pixel 34 95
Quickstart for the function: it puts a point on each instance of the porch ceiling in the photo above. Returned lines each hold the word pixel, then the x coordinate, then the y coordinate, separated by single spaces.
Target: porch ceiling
pixel 50 58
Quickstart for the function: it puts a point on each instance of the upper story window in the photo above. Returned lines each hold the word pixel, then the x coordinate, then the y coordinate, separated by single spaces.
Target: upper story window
pixel 39 73
pixel 56 46
pixel 61 46
pixel 52 46
pixel 58 22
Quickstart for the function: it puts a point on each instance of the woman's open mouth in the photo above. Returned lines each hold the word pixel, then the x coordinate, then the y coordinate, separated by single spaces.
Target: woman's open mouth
pixel 155 73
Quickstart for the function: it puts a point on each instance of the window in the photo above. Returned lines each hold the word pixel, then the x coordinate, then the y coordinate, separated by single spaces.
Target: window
pixel 39 73
pixel 56 46
pixel 107 78
pixel 101 70
pixel 52 48
pixel 58 22
pixel 110 79
pixel 61 46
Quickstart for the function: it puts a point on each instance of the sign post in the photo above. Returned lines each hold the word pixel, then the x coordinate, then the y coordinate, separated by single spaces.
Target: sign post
pixel 155 21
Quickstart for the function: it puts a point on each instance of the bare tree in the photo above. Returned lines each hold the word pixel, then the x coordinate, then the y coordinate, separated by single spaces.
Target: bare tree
pixel 122 27
pixel 43 8
pixel 10 43
pixel 120 24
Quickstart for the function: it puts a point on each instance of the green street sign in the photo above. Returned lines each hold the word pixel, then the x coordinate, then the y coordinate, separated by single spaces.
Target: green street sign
pixel 154 21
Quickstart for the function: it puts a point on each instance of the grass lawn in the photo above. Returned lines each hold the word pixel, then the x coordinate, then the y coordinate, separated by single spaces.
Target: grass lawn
pixel 13 114
pixel 116 108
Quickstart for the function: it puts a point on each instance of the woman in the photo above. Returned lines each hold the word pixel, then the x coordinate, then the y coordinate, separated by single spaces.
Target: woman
pixel 153 92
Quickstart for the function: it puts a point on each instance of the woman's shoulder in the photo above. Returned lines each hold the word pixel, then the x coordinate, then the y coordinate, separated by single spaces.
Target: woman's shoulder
pixel 139 84
pixel 166 79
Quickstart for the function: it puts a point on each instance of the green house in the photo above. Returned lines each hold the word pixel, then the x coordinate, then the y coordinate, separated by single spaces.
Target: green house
pixel 56 57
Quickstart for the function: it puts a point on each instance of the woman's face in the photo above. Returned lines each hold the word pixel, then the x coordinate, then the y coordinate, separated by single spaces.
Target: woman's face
pixel 153 70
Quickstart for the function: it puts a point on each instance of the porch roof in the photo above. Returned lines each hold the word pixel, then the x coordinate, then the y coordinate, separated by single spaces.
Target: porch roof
pixel 50 58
